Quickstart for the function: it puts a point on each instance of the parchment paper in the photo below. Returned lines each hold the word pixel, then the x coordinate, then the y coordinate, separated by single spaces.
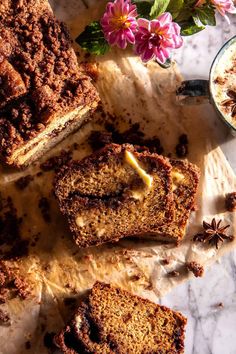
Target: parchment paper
pixel 145 94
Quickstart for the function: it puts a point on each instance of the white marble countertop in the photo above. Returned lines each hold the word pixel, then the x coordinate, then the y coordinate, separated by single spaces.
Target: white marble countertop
pixel 211 328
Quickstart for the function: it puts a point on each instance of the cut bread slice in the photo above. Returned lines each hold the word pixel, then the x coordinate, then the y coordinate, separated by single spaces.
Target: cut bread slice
pixel 185 180
pixel 112 320
pixel 44 95
pixel 114 193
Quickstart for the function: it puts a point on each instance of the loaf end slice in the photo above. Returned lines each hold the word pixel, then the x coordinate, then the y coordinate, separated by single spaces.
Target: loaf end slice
pixel 112 320
pixel 114 193
pixel 44 95
pixel 185 179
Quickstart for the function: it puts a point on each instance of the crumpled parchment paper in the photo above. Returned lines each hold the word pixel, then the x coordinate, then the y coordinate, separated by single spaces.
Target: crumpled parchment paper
pixel 56 268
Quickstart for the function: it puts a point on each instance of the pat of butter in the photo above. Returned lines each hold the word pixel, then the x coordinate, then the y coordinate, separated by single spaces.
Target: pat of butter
pixel 138 195
pixel 101 232
pixel 79 221
pixel 78 321
pixel 131 160
pixel 177 178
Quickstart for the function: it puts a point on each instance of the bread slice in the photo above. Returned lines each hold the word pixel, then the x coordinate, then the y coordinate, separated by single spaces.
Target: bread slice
pixel 112 320
pixel 185 179
pixel 114 193
pixel 44 95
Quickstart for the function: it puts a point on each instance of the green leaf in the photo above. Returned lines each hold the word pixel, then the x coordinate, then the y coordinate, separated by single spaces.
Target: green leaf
pixel 206 15
pixel 158 8
pixel 175 7
pixel 184 15
pixel 196 20
pixel 143 8
pixel 92 39
pixel 190 28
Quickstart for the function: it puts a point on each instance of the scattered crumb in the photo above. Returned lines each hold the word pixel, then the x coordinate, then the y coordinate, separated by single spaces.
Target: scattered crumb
pixel 173 273
pixel 220 305
pixel 195 207
pixel 196 268
pixel 230 201
pixel 48 340
pixel 91 69
pixel 149 287
pixel 75 146
pixel 23 182
pixel 10 235
pixel 98 139
pixel 44 207
pixel 4 318
pixel 43 327
pixel 181 148
pixel 27 345
pixel 166 261
pixel 133 135
pixel 183 139
pixel 69 301
pixel 56 162
pixel 136 277
pixel 13 285
pixel 22 288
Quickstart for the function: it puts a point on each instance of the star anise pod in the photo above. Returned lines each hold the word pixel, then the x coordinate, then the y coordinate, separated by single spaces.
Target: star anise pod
pixel 213 233
pixel 231 102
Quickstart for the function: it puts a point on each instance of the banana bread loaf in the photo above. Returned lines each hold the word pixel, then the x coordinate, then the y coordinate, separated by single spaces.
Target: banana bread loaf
pixel 112 320
pixel 44 96
pixel 114 193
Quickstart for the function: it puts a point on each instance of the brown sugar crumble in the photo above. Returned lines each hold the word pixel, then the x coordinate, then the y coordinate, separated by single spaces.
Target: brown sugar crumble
pixel 12 284
pixel 23 182
pixel 133 135
pixel 230 201
pixel 44 207
pixel 196 268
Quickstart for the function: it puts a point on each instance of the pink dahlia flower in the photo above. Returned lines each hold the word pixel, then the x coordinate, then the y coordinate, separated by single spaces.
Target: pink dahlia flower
pixel 119 23
pixel 224 6
pixel 156 38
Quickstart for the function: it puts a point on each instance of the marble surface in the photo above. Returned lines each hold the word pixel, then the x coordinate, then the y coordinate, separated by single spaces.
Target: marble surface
pixel 211 328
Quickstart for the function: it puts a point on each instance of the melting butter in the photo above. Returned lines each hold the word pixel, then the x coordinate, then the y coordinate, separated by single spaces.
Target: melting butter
pixel 177 178
pixel 79 221
pixel 131 160
pixel 78 321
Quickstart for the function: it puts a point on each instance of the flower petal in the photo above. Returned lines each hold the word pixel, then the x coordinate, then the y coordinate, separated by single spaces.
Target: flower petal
pixel 142 22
